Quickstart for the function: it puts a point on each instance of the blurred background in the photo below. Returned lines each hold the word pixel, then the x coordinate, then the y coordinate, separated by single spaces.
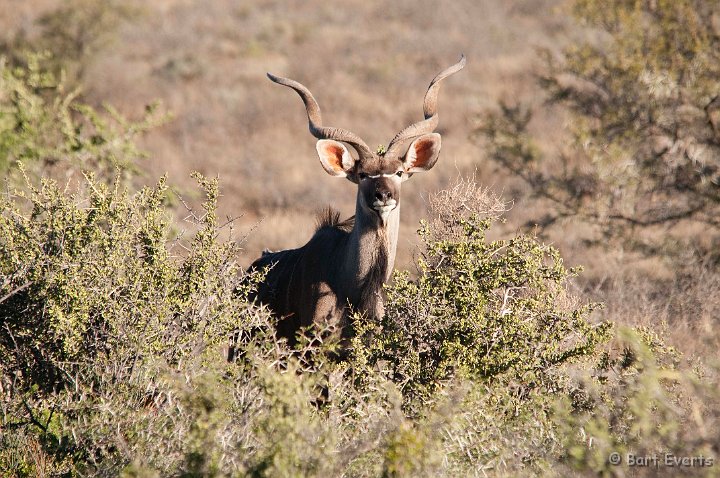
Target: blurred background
pixel 368 64
pixel 594 121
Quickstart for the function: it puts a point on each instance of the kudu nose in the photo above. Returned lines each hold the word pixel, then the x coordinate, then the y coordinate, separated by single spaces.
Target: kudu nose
pixel 383 196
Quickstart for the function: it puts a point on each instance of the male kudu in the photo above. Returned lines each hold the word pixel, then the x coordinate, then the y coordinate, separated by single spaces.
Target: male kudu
pixel 345 264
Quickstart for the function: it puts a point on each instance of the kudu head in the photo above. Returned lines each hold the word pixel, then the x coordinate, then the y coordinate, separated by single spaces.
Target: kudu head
pixel 378 174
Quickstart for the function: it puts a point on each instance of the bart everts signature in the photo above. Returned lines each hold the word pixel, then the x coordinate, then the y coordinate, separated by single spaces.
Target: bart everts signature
pixel 657 460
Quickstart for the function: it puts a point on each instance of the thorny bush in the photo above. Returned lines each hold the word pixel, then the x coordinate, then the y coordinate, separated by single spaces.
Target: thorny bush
pixel 113 337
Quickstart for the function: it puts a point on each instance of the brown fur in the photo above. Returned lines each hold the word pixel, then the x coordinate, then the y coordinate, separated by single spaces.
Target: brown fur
pixel 342 267
pixel 330 217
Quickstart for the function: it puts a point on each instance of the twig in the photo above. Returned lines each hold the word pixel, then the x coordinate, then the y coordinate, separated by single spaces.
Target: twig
pixel 34 420
pixel 15 291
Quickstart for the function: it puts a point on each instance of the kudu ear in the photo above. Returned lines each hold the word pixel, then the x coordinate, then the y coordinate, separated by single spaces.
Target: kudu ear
pixel 334 157
pixel 423 153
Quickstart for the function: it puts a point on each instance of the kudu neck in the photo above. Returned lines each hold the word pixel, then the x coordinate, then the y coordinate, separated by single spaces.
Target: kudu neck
pixel 373 241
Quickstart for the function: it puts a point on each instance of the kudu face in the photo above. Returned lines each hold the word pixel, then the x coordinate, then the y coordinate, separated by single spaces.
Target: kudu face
pixel 380 176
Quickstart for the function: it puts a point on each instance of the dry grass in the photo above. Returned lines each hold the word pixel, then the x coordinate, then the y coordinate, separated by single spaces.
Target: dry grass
pixel 368 63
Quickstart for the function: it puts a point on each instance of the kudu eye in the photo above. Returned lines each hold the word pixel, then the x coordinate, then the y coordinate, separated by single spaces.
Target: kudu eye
pixel 362 175
pixel 399 173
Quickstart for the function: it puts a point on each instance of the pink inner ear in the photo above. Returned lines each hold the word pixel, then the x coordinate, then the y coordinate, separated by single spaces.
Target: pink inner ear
pixel 423 148
pixel 423 152
pixel 334 155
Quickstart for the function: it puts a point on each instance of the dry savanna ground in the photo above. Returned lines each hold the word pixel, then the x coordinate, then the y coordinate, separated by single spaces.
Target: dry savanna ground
pixel 368 63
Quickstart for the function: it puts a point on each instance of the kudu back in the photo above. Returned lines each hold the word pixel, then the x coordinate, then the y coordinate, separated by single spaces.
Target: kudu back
pixel 344 265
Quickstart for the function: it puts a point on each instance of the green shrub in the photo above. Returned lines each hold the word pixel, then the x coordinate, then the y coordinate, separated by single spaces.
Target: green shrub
pixel 89 274
pixel 478 308
pixel 91 296
pixel 46 128
pixel 640 401
pixel 113 338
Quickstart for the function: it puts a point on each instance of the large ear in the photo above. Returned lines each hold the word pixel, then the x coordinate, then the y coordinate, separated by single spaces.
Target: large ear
pixel 334 157
pixel 423 153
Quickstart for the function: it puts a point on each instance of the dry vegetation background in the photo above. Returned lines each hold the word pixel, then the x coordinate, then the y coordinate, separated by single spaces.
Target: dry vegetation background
pixel 368 63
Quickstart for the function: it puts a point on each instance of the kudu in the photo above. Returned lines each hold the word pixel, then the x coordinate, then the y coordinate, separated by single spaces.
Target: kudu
pixel 345 264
